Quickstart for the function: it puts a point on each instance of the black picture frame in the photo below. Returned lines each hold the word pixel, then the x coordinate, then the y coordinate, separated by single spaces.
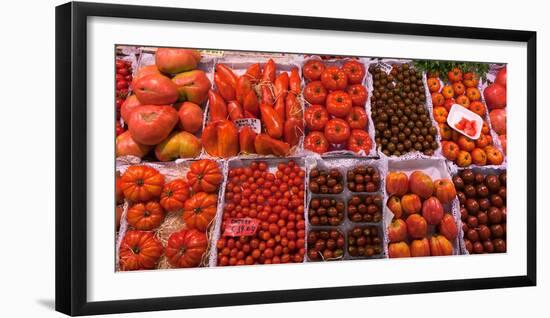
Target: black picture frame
pixel 71 157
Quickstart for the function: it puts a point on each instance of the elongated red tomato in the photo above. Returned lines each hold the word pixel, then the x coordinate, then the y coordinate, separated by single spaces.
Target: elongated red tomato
pixel 235 110
pixel 204 176
pixel 186 248
pixel 218 108
pixel 280 87
pixel 272 121
pixel 293 108
pixel 267 94
pixel 139 250
pixel 246 140
pixel 244 86
pixel 254 72
pixel 199 210
pixel 227 73
pixel 141 183
pixel 145 216
pixel 251 105
pixel 268 74
pixel 293 131
pixel 174 194
pixel 226 90
pixel 295 81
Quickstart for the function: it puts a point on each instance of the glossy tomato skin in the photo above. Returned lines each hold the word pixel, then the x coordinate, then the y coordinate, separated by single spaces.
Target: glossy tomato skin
pixel 334 78
pixel 316 142
pixel 199 210
pixel 151 124
pixel 355 71
pixel 358 94
pixel 204 176
pixel 186 248
pixel 337 131
pixel 174 194
pixel 145 216
pixel 313 69
pixel 315 93
pixel 338 104
pixel 316 117
pixel 357 118
pixel 359 140
pixel 141 183
pixel 139 250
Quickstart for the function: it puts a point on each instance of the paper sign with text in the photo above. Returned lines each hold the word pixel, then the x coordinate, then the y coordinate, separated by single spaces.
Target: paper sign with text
pixel 253 123
pixel 241 227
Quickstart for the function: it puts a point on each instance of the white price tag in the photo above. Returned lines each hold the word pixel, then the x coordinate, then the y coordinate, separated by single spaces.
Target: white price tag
pixel 385 67
pixel 253 123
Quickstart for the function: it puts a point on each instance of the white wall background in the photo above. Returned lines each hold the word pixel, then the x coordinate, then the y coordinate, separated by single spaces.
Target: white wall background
pixel 27 158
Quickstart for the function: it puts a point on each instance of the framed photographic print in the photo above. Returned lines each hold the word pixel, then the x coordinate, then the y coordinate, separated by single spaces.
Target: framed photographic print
pixel 208 158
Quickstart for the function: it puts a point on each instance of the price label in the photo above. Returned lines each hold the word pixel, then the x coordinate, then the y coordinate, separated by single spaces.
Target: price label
pixel 253 123
pixel 385 67
pixel 241 227
pixel 217 53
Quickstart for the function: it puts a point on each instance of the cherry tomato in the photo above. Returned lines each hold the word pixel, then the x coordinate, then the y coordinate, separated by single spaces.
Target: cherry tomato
pixel 337 131
pixel 316 141
pixel 313 69
pixel 334 78
pixel 316 117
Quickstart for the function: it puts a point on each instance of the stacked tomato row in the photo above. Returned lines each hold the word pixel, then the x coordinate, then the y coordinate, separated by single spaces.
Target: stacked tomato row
pixel 420 226
pixel 495 96
pixel 461 149
pixel 257 94
pixel 123 79
pixel 336 118
pixel 151 198
pixel 276 200
pixel 165 112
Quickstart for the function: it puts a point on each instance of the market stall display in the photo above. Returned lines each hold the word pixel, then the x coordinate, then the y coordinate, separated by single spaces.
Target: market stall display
pixel 248 158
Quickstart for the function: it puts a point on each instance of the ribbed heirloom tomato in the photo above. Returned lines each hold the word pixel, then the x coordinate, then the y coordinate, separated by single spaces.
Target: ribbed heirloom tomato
pixel 199 210
pixel 359 140
pixel 186 248
pixel 334 78
pixel 316 142
pixel 315 93
pixel 355 71
pixel 357 118
pixel 316 117
pixel 358 94
pixel 141 183
pixel 139 250
pixel 337 131
pixel 312 69
pixel 145 216
pixel 338 104
pixel 174 194
pixel 204 175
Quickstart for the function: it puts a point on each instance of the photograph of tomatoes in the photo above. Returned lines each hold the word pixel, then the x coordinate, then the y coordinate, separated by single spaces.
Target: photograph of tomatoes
pixel 233 158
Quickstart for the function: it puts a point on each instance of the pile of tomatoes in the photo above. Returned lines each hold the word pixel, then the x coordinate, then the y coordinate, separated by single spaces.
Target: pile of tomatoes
pixel 462 90
pixel 150 199
pixel 276 199
pixel 123 79
pixel 336 118
pixel 261 93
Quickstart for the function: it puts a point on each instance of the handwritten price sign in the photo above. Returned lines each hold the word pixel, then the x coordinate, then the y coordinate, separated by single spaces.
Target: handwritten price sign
pixel 241 227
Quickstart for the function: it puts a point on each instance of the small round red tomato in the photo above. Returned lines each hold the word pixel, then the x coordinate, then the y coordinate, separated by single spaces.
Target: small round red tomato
pixel 312 69
pixel 358 94
pixel 359 140
pixel 316 141
pixel 338 104
pixel 337 131
pixel 357 118
pixel 316 117
pixel 355 71
pixel 315 93
pixel 334 78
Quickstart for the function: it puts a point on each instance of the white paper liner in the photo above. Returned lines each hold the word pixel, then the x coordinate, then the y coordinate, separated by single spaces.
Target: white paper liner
pixel 370 125
pixel 343 164
pixel 436 168
pixel 272 163
pixel 171 171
